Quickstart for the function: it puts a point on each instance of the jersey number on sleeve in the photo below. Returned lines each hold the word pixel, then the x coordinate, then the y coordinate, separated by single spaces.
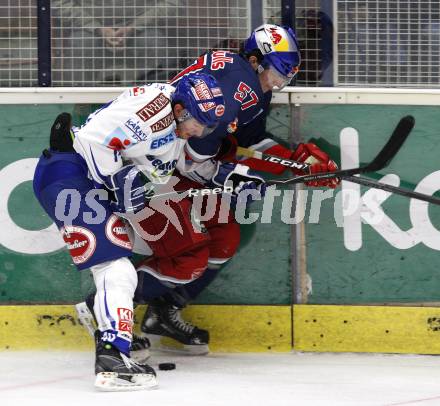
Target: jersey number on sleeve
pixel 243 92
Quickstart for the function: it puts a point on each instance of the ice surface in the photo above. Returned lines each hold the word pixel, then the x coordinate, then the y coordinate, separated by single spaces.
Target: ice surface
pixel 294 379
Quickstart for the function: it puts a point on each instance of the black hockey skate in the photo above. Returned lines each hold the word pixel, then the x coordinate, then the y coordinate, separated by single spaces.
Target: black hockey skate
pixel 139 345
pixel 117 372
pixel 163 319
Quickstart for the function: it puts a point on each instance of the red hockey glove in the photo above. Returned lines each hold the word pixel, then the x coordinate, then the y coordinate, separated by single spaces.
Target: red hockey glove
pixel 320 162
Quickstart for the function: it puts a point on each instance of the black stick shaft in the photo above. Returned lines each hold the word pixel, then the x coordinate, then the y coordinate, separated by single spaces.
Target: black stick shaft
pixel 393 189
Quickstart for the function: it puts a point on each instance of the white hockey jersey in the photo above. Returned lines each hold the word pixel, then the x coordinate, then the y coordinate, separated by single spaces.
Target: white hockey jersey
pixel 138 126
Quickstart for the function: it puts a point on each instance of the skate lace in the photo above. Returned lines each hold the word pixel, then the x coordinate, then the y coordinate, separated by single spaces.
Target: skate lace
pixel 176 318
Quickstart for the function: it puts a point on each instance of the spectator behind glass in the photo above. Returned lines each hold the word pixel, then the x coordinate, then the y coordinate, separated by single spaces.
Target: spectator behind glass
pixel 114 42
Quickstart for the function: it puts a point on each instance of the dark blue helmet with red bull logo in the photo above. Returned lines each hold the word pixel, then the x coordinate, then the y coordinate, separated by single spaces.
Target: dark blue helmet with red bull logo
pixel 202 99
pixel 279 48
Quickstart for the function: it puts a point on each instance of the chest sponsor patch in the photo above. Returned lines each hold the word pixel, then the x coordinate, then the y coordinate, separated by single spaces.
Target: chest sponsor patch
pixel 153 107
pixel 117 140
pixel 135 129
pixel 162 169
pixel 160 142
pixel 163 123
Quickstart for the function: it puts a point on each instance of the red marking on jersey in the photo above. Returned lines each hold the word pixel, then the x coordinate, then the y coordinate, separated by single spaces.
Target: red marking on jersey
pixel 127 142
pixel 243 92
pixel 219 110
pixel 138 90
pixel 232 126
pixel 116 144
pixel 198 65
pixel 125 319
pixel 219 59
pixel 116 232
pixel 81 243
pixel 275 36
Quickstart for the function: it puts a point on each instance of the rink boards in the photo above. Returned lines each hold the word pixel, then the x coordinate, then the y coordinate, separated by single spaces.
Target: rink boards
pixel 317 328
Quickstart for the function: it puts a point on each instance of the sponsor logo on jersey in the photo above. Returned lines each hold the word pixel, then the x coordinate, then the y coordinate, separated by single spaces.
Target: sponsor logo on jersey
pixel 125 317
pixel 160 142
pixel 116 232
pixel 136 91
pixel 81 243
pixel 162 168
pixel 135 129
pixel 162 124
pixel 219 59
pixel 154 107
pixel 219 110
pixel 232 126
pixel 117 140
pixel 217 92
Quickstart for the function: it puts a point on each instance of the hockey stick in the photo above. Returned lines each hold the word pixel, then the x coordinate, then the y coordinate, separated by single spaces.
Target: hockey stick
pixel 355 179
pixel 362 181
pixel 381 160
pixel 393 189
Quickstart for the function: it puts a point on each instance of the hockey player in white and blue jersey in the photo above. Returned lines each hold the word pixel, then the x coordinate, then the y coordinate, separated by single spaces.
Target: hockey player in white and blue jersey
pixel 125 150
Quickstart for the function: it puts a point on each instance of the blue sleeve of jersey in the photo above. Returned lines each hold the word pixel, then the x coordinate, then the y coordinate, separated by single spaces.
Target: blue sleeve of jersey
pixel 255 131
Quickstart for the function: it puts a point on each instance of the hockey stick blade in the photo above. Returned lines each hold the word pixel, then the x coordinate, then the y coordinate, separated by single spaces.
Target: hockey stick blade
pixel 382 159
pixel 398 137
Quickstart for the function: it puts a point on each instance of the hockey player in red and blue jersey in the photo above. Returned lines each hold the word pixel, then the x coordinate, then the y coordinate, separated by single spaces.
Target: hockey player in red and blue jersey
pixel 269 58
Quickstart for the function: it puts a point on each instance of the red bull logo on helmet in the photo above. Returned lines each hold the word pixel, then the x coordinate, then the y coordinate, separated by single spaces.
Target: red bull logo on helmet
pixel 275 36
pixel 274 39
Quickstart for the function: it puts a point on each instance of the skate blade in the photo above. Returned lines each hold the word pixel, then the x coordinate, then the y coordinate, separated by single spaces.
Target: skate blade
pixel 110 382
pixel 140 356
pixel 167 344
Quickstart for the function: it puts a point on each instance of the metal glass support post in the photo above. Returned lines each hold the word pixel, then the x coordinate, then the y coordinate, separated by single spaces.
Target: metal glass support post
pixel 288 12
pixel 44 48
pixel 256 8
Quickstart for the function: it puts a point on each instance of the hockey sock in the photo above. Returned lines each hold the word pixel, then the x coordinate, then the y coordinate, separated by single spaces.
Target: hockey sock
pixel 149 288
pixel 193 289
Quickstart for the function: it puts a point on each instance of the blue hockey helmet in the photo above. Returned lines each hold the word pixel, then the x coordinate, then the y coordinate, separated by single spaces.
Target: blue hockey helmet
pixel 279 48
pixel 202 98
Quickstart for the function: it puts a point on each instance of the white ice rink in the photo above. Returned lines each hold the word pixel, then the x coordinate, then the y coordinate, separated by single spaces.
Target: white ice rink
pixel 66 379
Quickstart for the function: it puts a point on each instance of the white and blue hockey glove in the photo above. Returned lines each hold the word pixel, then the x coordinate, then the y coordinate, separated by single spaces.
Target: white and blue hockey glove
pixel 241 179
pixel 131 189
